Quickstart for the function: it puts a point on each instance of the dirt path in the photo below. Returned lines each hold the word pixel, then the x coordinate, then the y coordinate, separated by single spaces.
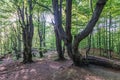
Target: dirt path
pixel 44 70
pixel 48 69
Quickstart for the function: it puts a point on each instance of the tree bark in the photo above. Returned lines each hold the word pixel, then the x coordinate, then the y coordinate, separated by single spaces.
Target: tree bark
pixel 57 27
pixel 41 41
pixel 59 46
pixel 57 20
pixel 79 37
pixel 72 49
pixel 40 35
pixel 68 28
pixel 27 52
pixel 25 19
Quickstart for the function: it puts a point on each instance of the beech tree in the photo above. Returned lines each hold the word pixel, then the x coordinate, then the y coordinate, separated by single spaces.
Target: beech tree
pixel 58 23
pixel 25 14
pixel 72 44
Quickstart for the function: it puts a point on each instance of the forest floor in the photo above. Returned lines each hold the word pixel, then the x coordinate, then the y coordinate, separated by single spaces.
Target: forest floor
pixel 48 69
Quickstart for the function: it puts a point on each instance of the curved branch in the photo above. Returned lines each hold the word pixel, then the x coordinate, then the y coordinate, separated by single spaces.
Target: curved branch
pixel 96 14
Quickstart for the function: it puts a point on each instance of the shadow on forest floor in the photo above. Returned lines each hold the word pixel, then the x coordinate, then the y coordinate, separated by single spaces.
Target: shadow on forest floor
pixel 48 69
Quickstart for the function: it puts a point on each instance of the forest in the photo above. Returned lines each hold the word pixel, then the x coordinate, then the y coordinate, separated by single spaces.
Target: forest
pixel 59 40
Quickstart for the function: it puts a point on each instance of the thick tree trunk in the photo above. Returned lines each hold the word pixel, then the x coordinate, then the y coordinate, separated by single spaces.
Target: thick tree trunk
pixel 28 34
pixel 27 56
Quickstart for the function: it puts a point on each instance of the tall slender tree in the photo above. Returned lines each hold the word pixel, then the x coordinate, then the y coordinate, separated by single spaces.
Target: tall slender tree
pixel 58 14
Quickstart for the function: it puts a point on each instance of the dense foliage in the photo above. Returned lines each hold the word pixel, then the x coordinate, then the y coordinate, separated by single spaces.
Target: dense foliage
pixel 105 35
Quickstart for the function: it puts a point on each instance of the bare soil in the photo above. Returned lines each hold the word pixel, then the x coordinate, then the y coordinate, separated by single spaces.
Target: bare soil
pixel 44 69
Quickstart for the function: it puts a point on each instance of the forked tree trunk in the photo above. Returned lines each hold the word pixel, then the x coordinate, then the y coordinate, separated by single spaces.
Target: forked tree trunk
pixel 72 48
pixel 30 30
pixel 79 37
pixel 25 19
